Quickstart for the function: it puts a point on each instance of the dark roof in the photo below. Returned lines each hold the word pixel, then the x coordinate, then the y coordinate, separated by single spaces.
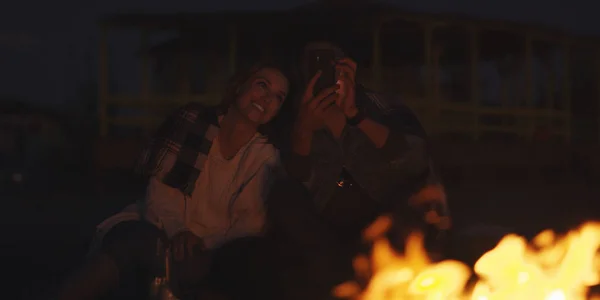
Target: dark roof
pixel 322 19
pixel 178 21
pixel 176 45
pixel 313 12
pixel 316 9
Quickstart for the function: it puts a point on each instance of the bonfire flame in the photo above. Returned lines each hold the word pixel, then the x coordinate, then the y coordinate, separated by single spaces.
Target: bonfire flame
pixel 548 269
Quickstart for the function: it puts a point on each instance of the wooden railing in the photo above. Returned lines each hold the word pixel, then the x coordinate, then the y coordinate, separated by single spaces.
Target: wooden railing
pixel 438 116
pixel 425 96
pixel 148 113
pixel 441 115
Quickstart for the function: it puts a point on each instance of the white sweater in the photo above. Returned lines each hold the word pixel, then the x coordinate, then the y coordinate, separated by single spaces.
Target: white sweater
pixel 228 201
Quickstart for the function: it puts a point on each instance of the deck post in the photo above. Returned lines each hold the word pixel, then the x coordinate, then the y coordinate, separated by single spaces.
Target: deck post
pixel 529 84
pixel 103 87
pixel 145 67
pixel 529 88
pixel 431 114
pixel 474 65
pixel 598 87
pixel 437 52
pixel 427 45
pixel 376 67
pixel 232 48
pixel 566 87
pixel 185 65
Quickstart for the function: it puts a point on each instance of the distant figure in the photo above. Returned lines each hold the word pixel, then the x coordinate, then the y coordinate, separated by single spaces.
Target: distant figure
pixel 209 170
pixel 358 157
pixel 33 143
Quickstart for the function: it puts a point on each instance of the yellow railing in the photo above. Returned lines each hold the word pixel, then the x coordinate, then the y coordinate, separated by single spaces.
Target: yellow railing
pixel 148 113
pixel 436 113
pixel 436 116
pixel 437 119
pixel 425 96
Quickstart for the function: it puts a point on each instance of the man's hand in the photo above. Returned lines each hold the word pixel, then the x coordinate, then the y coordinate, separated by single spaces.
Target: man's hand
pixel 346 70
pixel 314 108
pixel 376 132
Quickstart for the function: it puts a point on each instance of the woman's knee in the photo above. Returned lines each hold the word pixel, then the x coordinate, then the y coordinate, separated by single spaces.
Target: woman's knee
pixel 132 244
pixel 247 265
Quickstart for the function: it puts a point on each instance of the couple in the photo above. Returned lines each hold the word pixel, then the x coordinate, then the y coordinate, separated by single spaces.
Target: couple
pixel 213 172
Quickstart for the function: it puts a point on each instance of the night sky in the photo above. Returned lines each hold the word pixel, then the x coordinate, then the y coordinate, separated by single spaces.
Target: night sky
pixel 44 44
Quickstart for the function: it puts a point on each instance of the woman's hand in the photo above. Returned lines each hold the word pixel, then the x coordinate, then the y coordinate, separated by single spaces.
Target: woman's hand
pixel 185 245
pixel 191 261
pixel 314 108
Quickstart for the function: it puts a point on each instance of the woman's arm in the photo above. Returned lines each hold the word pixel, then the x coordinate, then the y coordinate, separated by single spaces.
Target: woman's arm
pixel 250 205
pixel 401 148
pixel 165 201
pixel 166 206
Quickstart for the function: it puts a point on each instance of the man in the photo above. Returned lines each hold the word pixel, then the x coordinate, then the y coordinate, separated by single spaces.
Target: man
pixel 358 157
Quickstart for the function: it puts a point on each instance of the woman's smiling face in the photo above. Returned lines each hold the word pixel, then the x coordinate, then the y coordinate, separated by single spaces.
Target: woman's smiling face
pixel 261 96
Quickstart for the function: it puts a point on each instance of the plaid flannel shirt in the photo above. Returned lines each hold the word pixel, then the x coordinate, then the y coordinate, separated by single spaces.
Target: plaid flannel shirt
pixel 403 165
pixel 188 134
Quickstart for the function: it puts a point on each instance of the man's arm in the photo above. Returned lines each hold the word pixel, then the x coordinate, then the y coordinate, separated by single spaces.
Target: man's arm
pixel 311 117
pixel 395 134
pixel 376 132
pixel 387 152
pixel 298 163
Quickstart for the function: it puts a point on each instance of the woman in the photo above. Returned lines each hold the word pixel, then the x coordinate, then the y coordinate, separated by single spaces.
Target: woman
pixel 209 172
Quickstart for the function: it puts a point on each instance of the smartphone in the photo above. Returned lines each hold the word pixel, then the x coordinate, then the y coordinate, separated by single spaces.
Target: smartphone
pixel 322 60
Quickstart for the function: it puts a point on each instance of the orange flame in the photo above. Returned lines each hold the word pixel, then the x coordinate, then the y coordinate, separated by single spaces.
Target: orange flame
pixel 548 269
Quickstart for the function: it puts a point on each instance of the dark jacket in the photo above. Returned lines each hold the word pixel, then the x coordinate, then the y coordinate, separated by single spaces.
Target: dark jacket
pixel 394 171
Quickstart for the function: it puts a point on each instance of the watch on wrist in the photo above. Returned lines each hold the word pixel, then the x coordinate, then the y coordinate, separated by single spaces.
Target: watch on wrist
pixel 357 119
